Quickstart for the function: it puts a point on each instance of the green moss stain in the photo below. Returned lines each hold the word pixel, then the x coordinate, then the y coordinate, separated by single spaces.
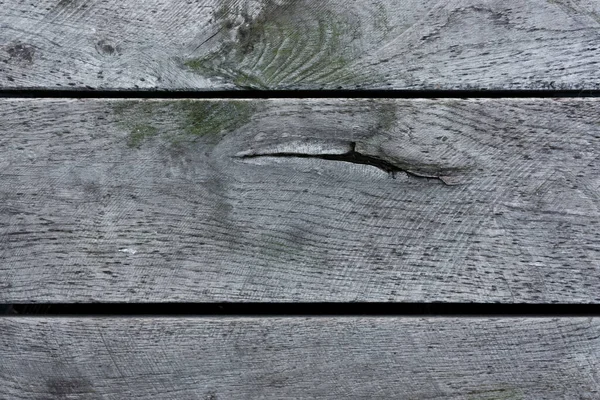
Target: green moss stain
pixel 196 64
pixel 210 118
pixel 180 121
pixel 502 393
pixel 284 45
pixel 140 132
pixel 386 116
pixel 136 118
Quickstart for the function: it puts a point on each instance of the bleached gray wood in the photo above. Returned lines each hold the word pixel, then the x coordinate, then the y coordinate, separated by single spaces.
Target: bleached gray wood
pixel 300 44
pixel 257 200
pixel 300 358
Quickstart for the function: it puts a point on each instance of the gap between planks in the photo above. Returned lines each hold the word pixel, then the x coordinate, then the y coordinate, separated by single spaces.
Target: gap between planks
pixel 293 94
pixel 467 310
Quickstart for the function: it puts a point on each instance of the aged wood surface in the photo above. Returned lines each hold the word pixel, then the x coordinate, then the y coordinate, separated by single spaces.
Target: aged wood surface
pixel 299 358
pixel 300 44
pixel 300 200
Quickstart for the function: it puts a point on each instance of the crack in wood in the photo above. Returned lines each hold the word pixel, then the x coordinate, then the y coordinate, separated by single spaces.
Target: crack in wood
pixel 353 157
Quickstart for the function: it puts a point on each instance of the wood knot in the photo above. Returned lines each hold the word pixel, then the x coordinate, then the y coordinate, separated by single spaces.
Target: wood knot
pixel 106 47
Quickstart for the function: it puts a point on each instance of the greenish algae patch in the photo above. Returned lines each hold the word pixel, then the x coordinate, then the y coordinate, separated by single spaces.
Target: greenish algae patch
pixel 140 132
pixel 180 121
pixel 502 393
pixel 136 118
pixel 210 118
pixel 282 46
pixel 386 116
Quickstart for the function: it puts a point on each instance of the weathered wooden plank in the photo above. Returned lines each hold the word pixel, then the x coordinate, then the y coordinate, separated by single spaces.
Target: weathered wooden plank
pixel 299 358
pixel 275 200
pixel 300 44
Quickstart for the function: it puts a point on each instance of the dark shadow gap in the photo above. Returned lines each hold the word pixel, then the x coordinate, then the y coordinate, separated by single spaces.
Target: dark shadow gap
pixel 303 309
pixel 261 94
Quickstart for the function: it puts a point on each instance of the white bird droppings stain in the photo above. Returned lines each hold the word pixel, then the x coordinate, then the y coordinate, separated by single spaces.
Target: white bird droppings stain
pixel 128 251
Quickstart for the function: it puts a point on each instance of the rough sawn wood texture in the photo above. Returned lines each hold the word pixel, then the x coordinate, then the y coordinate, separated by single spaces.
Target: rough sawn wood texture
pixel 300 44
pixel 296 200
pixel 299 358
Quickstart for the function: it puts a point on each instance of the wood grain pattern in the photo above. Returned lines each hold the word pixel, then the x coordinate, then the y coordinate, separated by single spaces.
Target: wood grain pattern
pixel 300 200
pixel 299 358
pixel 300 44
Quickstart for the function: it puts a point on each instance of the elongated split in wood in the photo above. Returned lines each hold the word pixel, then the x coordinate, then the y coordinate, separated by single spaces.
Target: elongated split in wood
pixel 350 155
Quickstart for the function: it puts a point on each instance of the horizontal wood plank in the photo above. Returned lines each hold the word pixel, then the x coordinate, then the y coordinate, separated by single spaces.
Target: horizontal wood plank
pixel 300 44
pixel 494 200
pixel 299 358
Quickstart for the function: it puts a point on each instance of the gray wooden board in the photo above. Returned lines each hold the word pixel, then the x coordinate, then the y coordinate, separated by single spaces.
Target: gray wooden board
pixel 258 200
pixel 300 44
pixel 299 358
